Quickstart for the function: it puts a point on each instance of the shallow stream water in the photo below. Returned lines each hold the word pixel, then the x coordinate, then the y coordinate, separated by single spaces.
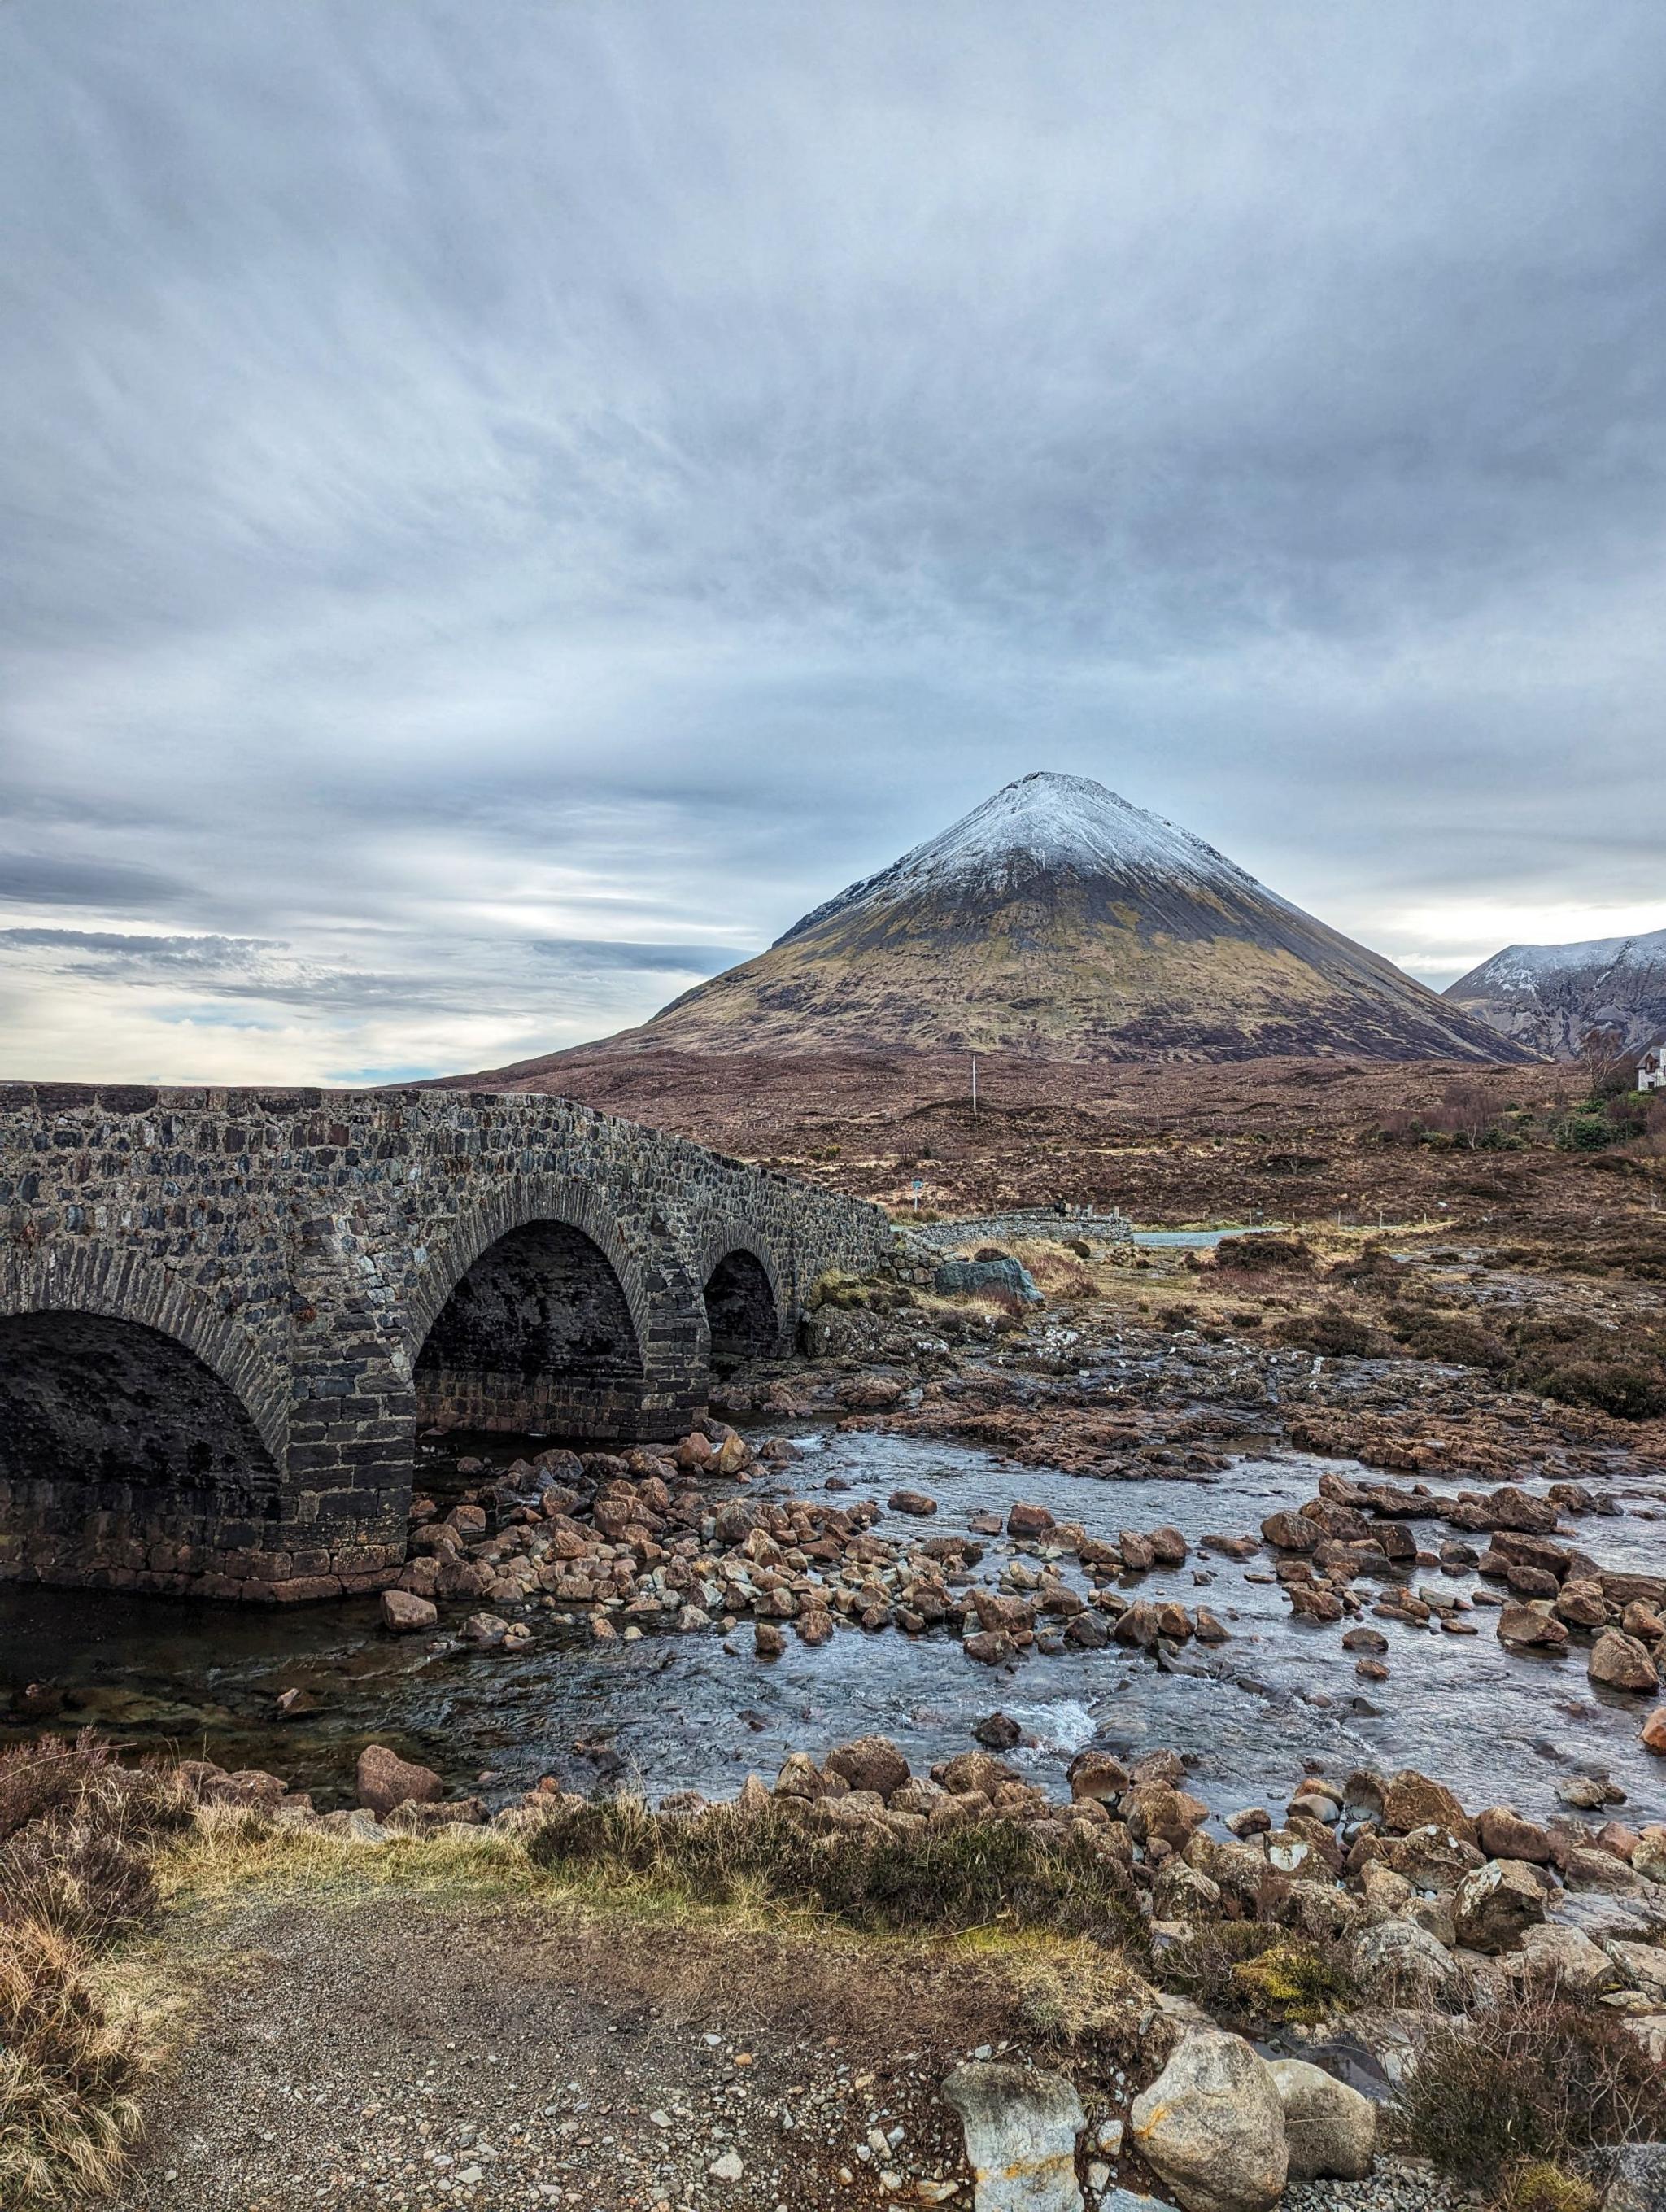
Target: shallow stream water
pixel 689 1712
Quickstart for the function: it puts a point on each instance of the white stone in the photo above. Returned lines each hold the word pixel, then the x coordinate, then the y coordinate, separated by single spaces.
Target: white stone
pixel 1021 2129
pixel 1211 2126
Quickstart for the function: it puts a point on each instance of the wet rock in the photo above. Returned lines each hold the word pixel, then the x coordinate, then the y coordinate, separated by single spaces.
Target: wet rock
pixel 1622 1662
pixel 1503 1834
pixel 1211 2126
pixel 485 1629
pixel 768 1640
pixel 997 1732
pixel 1492 1906
pixel 1400 1963
pixel 1524 1626
pixel 1291 1532
pixel 1029 1521
pixel 1330 2130
pixel 1653 1734
pixel 912 1501
pixel 386 1780
pixel 407 1614
pixel 987 1647
pixel 1021 2129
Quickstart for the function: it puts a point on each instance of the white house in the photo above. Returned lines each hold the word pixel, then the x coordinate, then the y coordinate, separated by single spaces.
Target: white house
pixel 1651 1069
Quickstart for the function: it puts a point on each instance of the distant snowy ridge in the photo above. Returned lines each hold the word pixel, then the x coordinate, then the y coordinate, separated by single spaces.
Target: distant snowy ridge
pixel 1524 967
pixel 1552 996
pixel 1051 824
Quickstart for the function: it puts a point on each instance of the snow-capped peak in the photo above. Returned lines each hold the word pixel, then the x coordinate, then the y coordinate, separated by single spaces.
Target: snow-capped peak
pixel 1523 966
pixel 1044 822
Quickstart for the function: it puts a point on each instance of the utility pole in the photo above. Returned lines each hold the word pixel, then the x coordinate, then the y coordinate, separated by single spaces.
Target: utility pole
pixel 974 1086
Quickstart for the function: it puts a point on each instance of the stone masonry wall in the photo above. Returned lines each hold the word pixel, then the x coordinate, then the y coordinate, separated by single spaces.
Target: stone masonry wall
pixel 301 1244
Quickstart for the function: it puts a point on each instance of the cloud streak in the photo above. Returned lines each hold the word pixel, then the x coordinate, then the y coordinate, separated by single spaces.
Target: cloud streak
pixel 503 508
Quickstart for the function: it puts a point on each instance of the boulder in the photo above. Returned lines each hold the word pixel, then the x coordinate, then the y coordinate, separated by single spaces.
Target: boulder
pixel 870 1762
pixel 1636 2178
pixel 1503 1834
pixel 406 1613
pixel 1525 1627
pixel 1494 1904
pixel 1097 1774
pixel 1156 1813
pixel 386 1780
pixel 1029 1521
pixel 1411 1800
pixel 1552 1957
pixel 1401 1963
pixel 1329 2130
pixel 1021 2129
pixel 1653 1737
pixel 1620 1662
pixel 1211 2126
pixel 912 1501
pixel 997 1732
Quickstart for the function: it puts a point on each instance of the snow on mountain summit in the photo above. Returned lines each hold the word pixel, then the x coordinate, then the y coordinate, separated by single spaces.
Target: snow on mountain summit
pixel 1042 824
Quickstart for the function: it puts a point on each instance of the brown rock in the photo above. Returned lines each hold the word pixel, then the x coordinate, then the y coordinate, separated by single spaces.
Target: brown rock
pixel 974 1773
pixel 1503 1834
pixel 1581 1605
pixel 870 1762
pixel 986 1647
pixel 406 1613
pixel 1029 1521
pixel 386 1780
pixel 1492 1906
pixel 1653 1737
pixel 912 1501
pixel 1524 1626
pixel 1155 1812
pixel 1620 1662
pixel 768 1640
pixel 1097 1774
pixel 997 1732
pixel 1291 1532
pixel 1411 1800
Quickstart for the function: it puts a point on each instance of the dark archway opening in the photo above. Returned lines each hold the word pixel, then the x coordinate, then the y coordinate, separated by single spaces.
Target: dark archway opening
pixel 740 1312
pixel 536 1340
pixel 121 1453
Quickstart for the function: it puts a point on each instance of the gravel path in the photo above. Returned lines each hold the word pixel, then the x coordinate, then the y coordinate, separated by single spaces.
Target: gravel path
pixel 396 2056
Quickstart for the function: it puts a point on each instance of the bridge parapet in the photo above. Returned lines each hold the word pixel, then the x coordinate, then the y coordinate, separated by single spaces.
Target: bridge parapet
pixel 223 1313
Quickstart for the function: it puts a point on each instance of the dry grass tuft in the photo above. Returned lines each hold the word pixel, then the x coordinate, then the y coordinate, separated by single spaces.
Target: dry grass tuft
pixel 68 2076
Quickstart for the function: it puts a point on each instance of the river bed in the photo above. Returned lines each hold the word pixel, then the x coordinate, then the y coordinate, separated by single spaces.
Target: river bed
pixel 680 1712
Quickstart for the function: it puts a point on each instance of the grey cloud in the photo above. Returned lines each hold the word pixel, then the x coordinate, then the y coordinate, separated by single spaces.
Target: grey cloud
pixel 28 879
pixel 604 476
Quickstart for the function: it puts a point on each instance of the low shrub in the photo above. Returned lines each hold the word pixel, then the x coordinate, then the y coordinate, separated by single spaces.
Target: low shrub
pixel 1538 2185
pixel 1334 1332
pixel 1453 1339
pixel 1256 1975
pixel 939 1882
pixel 1263 1256
pixel 1530 2081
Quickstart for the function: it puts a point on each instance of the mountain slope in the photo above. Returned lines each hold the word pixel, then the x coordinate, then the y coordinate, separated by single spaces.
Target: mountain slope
pixel 1059 921
pixel 1548 996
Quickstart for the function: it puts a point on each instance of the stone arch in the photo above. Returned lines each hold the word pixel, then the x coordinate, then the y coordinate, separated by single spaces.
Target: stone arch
pixel 540 1321
pixel 127 1457
pixel 120 1286
pixel 741 1298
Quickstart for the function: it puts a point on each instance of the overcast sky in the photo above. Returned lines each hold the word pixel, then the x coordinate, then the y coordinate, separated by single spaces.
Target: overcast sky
pixel 505 503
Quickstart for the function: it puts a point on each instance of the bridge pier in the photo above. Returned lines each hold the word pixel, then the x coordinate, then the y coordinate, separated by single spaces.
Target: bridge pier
pixel 225 1315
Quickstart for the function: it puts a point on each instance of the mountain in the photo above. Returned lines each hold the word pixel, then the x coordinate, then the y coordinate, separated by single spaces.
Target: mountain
pixel 1057 921
pixel 1548 996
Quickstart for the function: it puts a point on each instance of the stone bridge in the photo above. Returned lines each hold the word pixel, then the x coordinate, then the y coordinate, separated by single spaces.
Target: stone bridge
pixel 225 1315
